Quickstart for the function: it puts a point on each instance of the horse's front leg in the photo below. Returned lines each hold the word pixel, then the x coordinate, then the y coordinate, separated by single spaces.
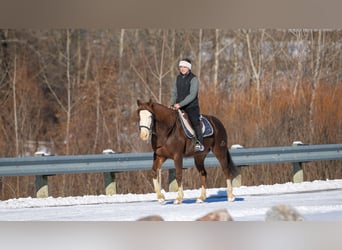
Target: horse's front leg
pixel 203 195
pixel 199 163
pixel 230 195
pixel 178 161
pixel 156 168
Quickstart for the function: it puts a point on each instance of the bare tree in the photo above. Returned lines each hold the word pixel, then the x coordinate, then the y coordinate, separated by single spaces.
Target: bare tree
pixel 255 62
pixel 155 65
pixel 14 83
pixel 121 88
pixel 301 55
pixel 216 62
pixel 199 60
pixel 317 72
pixel 69 91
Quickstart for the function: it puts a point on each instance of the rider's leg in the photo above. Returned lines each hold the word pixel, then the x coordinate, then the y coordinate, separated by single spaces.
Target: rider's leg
pixel 194 119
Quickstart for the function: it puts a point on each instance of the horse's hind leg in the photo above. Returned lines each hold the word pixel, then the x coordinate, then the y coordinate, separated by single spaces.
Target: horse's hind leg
pixel 199 162
pixel 156 168
pixel 222 155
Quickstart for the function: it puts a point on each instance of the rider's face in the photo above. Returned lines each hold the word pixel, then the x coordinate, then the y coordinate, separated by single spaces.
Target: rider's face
pixel 183 70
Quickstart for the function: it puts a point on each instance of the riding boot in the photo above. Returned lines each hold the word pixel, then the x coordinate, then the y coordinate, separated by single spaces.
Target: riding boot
pixel 199 139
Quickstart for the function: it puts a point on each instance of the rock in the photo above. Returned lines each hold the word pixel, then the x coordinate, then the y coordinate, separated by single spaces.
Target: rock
pixel 151 218
pixel 218 215
pixel 283 213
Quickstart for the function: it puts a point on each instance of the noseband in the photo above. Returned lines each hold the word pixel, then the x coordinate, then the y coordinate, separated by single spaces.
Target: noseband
pixel 148 128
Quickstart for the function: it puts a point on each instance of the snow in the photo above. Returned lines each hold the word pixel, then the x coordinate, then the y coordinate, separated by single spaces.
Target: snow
pixel 315 201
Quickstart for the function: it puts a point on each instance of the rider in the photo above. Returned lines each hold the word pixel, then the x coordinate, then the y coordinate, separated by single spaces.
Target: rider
pixel 185 96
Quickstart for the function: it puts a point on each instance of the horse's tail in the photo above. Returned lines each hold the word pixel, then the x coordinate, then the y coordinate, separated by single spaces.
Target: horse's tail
pixel 233 170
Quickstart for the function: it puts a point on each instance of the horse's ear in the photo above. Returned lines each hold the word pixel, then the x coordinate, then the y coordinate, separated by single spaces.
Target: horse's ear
pixel 138 102
pixel 150 102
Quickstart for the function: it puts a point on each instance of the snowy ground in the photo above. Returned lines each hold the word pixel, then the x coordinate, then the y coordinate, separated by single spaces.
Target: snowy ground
pixel 316 201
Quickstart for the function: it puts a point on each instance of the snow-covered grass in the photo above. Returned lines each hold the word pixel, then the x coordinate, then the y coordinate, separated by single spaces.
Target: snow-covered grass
pixel 317 200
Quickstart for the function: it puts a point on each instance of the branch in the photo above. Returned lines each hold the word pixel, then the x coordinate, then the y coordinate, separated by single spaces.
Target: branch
pixel 143 81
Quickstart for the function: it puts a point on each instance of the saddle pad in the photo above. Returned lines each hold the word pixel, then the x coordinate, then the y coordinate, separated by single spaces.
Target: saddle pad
pixel 207 129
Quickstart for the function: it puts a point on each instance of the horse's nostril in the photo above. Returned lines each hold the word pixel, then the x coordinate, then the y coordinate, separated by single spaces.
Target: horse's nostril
pixel 143 134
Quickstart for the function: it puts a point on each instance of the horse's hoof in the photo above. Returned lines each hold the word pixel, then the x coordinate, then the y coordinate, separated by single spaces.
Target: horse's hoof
pixel 161 198
pixel 162 201
pixel 231 199
pixel 177 202
pixel 199 200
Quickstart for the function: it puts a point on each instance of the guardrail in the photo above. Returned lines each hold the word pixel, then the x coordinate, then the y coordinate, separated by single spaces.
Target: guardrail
pixel 109 164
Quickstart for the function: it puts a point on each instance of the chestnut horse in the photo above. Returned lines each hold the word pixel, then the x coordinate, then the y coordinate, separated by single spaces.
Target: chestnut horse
pixel 162 125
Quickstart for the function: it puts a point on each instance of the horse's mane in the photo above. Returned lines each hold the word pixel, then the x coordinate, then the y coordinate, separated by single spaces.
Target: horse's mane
pixel 158 106
pixel 163 112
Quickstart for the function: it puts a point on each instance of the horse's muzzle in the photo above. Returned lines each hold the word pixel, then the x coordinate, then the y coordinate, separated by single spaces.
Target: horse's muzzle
pixel 144 134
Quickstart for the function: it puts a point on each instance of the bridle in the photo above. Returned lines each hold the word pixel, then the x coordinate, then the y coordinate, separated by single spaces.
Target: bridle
pixel 150 126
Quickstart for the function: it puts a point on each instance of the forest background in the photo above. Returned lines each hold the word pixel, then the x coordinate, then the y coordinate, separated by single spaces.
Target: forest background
pixel 74 91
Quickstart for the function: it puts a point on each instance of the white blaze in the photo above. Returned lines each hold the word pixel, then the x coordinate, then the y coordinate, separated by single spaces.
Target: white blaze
pixel 145 123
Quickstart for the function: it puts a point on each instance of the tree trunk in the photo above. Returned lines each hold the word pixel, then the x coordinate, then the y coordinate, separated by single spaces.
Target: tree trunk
pixel 316 78
pixel 216 63
pixel 15 113
pixel 173 46
pixel 121 90
pixel 69 89
pixel 161 66
pixel 255 68
pixel 98 104
pixel 200 35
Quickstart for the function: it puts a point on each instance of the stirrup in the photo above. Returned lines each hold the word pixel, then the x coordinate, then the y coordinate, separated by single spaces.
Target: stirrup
pixel 199 147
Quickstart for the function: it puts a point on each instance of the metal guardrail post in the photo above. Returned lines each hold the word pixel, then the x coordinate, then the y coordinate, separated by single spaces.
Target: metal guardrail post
pixel 42 188
pixel 110 183
pixel 173 186
pixel 297 169
pixel 109 177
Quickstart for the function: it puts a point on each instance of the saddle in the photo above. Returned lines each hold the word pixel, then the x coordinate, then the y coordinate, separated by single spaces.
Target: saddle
pixel 206 127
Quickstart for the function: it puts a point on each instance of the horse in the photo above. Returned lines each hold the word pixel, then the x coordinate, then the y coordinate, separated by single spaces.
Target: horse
pixel 161 124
